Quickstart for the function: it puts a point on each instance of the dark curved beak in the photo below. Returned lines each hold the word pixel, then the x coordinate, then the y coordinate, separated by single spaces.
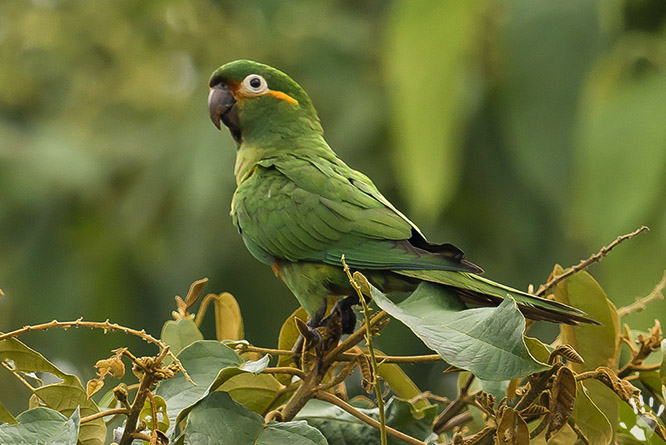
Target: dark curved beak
pixel 220 101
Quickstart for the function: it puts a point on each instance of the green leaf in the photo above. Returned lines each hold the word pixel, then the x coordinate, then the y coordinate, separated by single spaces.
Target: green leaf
pixel 6 416
pixel 433 123
pixel 180 333
pixel 589 418
pixel 203 360
pixel 341 428
pixel 218 417
pixel 598 345
pixel 401 384
pixel 486 341
pixel 42 425
pixel 64 397
pixel 254 391
pixel 538 350
pixel 146 414
pixel 213 365
pixel 634 428
pixel 288 335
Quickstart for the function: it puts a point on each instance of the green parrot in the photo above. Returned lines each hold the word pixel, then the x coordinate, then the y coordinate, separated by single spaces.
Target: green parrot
pixel 299 208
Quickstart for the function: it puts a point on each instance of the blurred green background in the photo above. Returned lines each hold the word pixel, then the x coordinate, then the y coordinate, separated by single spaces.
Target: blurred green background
pixel 526 132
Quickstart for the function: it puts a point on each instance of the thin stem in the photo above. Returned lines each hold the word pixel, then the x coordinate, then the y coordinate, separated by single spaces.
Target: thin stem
pixel 371 350
pixel 586 262
pixel 106 326
pixel 285 370
pixel 394 359
pixel 353 339
pixel 249 348
pixel 641 303
pixel 108 412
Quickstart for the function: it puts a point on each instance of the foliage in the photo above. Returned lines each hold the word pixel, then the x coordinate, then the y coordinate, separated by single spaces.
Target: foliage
pixel 508 127
pixel 522 131
pixel 577 389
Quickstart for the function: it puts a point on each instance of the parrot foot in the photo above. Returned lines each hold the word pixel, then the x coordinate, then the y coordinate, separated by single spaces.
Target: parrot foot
pixel 346 312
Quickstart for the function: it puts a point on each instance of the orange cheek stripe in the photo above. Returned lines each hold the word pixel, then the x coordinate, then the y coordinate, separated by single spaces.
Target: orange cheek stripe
pixel 282 96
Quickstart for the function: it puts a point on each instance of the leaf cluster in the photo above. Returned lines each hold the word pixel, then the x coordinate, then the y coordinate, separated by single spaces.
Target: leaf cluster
pixel 588 386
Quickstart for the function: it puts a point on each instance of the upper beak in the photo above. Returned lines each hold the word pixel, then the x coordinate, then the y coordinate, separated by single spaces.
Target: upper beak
pixel 220 100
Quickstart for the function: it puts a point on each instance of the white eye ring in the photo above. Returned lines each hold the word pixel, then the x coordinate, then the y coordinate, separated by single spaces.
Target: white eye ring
pixel 254 85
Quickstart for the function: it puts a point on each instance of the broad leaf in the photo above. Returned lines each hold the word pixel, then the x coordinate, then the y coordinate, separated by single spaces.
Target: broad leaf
pixel 486 341
pixel 6 416
pixel 288 335
pixel 42 425
pixel 401 384
pixel 203 360
pixel 180 333
pixel 341 428
pixel 599 345
pixel 589 418
pixel 210 365
pixel 218 418
pixel 635 429
pixel 64 397
pixel 228 319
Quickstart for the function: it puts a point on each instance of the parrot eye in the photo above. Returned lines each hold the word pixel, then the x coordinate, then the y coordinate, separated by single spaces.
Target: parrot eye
pixel 254 84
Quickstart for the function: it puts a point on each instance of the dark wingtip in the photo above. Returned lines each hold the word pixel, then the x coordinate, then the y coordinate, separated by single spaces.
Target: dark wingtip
pixel 473 268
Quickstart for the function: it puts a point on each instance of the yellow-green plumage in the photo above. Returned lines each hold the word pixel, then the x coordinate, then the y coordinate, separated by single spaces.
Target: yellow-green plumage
pixel 299 208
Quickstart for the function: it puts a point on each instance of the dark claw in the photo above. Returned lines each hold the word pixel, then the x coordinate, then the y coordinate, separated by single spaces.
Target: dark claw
pixel 344 307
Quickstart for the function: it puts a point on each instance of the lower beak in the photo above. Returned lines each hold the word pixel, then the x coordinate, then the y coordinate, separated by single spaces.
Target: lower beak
pixel 220 101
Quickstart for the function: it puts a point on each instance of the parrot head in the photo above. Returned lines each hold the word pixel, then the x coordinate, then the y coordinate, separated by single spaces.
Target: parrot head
pixel 255 101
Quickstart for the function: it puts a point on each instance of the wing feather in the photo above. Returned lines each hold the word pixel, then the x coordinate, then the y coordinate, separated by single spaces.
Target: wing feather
pixel 302 209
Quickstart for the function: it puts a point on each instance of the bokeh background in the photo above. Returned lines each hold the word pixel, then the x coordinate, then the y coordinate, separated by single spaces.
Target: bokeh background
pixel 526 132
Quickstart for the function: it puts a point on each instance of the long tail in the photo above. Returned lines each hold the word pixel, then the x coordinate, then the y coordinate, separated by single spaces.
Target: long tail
pixel 476 290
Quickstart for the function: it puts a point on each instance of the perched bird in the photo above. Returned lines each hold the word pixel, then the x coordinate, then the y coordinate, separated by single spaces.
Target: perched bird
pixel 299 208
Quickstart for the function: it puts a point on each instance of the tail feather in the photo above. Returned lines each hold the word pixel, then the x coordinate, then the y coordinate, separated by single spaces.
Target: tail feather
pixel 476 290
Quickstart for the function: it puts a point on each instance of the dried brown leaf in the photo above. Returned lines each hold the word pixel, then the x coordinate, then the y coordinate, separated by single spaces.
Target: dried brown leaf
pixel 512 429
pixel 480 437
pixel 568 352
pixel 534 411
pixel 93 386
pixel 563 397
pixel 368 379
pixel 486 402
pixel 625 390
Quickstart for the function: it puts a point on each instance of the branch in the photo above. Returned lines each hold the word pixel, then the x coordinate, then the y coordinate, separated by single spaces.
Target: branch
pixel 353 339
pixel 371 350
pixel 641 303
pixel 586 262
pixel 330 398
pixel 106 326
pixel 150 377
pixel 346 357
pixel 108 412
pixel 285 370
pixel 455 407
pixel 242 347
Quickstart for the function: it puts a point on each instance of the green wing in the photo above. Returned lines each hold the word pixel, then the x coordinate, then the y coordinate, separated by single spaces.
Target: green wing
pixel 313 209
